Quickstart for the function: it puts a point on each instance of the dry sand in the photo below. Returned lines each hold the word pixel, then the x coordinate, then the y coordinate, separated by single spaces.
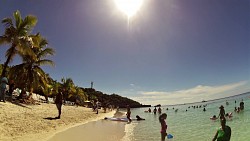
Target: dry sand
pixel 19 122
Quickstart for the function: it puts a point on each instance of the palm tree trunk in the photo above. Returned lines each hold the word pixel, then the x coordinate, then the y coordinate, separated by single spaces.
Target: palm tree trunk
pixel 5 67
pixel 7 61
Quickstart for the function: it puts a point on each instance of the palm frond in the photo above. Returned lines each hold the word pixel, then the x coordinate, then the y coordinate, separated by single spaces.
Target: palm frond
pixel 7 22
pixel 24 47
pixel 18 18
pixel 44 53
pixel 28 23
pixel 45 62
pixel 4 40
pixel 36 39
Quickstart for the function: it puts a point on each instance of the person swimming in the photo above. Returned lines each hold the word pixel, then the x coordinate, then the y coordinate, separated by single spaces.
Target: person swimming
pixel 213 117
pixel 139 118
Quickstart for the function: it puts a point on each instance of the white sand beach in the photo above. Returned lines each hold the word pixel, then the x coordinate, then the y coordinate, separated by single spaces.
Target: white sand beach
pixel 20 122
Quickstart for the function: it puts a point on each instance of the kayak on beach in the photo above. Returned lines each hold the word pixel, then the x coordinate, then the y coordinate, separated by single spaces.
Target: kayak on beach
pixel 117 119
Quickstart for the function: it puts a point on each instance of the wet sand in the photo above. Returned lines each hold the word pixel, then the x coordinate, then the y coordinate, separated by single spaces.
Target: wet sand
pixel 101 130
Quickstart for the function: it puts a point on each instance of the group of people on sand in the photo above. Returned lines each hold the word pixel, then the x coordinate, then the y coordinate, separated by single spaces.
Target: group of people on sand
pixel 7 90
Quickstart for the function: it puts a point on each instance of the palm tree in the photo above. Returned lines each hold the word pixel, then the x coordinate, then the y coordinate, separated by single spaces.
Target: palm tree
pixel 29 74
pixel 68 86
pixel 79 94
pixel 17 35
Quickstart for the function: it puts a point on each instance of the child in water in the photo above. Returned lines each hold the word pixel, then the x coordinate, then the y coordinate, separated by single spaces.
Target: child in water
pixel 164 126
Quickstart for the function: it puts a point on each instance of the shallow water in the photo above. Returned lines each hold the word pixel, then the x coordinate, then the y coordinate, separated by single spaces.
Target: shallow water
pixel 193 124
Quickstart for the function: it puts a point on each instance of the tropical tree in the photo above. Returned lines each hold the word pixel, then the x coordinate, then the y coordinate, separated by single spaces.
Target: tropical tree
pixel 68 86
pixel 29 74
pixel 79 95
pixel 17 34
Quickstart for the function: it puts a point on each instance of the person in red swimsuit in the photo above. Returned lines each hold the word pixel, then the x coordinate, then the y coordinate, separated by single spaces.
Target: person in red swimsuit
pixel 164 126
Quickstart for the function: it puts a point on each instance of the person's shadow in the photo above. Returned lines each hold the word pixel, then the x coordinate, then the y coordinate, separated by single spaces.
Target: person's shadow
pixel 51 118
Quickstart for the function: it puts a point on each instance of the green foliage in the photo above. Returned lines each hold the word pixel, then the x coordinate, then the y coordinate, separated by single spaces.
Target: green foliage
pixel 17 36
pixel 112 99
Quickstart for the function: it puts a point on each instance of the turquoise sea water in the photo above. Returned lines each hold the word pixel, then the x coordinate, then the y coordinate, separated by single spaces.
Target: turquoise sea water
pixel 193 124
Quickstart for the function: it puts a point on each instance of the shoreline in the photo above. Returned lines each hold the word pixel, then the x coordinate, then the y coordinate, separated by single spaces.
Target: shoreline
pixel 95 130
pixel 80 124
pixel 21 122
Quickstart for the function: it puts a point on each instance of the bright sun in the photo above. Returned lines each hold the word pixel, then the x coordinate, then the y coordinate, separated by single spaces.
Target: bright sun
pixel 129 7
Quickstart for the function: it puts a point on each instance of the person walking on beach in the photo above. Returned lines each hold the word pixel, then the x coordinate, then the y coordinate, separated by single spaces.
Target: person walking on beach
pixel 128 113
pixel 58 102
pixel 223 133
pixel 97 106
pixel 222 112
pixel 164 126
pixel 3 87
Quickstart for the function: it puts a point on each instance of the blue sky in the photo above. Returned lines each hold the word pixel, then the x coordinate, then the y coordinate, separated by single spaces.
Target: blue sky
pixel 172 51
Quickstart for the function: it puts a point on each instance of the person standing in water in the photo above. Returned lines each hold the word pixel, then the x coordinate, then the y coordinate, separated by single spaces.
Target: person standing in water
pixel 223 133
pixel 222 112
pixel 159 110
pixel 155 110
pixel 128 113
pixel 242 105
pixel 164 126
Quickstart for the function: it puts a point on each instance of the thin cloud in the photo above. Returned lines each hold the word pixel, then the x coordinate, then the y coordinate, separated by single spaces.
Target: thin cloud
pixel 194 94
pixel 132 84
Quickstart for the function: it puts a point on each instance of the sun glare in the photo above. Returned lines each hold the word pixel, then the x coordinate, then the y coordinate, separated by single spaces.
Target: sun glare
pixel 129 7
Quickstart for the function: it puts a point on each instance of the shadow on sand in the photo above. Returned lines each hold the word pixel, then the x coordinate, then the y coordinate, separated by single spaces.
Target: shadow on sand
pixel 51 118
pixel 19 104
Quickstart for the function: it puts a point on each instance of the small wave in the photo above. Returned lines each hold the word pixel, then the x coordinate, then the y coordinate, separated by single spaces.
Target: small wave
pixel 129 131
